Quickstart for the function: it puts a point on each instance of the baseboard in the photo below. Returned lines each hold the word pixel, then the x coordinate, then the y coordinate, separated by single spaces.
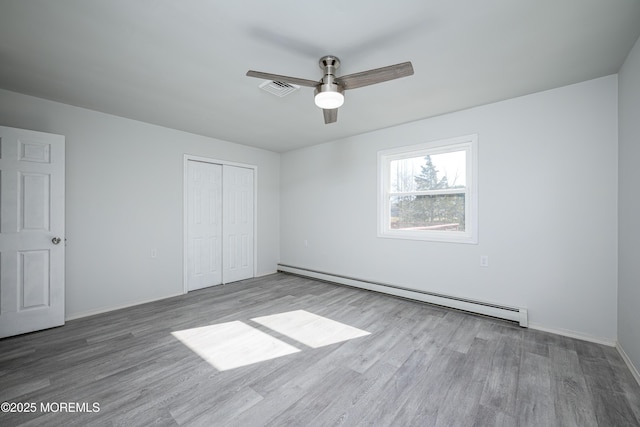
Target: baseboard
pixel 573 334
pixel 627 360
pixel 266 274
pixel 115 307
pixel 514 314
pixel 132 304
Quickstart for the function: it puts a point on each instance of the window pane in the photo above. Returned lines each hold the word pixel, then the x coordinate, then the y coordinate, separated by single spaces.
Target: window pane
pixel 443 212
pixel 431 172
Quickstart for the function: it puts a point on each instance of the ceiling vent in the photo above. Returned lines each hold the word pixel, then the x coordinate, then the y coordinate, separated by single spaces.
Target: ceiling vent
pixel 279 88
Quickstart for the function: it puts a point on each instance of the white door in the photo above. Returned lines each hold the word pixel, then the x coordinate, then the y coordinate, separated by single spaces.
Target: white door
pixel 204 225
pixel 31 231
pixel 237 218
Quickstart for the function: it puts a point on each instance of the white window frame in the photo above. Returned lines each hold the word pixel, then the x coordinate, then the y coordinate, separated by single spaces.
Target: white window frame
pixel 468 143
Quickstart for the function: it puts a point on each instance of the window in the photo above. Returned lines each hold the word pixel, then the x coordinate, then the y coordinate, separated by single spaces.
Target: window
pixel 429 191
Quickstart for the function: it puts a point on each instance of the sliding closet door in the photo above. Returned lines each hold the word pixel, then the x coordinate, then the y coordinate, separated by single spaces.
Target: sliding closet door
pixel 237 204
pixel 204 225
pixel 219 216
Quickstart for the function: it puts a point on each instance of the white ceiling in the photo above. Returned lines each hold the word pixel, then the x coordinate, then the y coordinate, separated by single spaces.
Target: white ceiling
pixel 182 63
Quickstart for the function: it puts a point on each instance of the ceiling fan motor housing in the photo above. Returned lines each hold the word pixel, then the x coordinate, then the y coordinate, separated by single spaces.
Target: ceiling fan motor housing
pixel 329 94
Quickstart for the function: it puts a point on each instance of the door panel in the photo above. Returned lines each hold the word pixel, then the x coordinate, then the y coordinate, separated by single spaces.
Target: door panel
pixel 33 273
pixel 204 225
pixel 238 223
pixel 31 216
pixel 34 201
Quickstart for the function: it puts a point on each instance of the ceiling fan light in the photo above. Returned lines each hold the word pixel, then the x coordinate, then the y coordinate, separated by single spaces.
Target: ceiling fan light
pixel 329 96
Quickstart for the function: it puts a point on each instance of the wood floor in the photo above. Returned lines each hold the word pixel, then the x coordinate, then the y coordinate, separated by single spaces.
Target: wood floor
pixel 419 365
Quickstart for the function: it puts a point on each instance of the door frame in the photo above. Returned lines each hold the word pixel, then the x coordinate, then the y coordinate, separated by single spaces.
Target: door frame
pixel 185 192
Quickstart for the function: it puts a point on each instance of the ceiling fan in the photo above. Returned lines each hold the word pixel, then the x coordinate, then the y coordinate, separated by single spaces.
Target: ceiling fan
pixel 329 93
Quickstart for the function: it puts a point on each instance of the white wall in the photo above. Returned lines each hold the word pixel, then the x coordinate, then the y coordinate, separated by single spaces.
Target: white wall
pixel 124 197
pixel 629 208
pixel 548 209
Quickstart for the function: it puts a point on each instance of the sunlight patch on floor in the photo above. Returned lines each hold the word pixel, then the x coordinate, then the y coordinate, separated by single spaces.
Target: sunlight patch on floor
pixel 310 329
pixel 234 344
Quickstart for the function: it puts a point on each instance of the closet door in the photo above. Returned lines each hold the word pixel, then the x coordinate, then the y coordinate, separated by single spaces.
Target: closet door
pixel 238 233
pixel 204 225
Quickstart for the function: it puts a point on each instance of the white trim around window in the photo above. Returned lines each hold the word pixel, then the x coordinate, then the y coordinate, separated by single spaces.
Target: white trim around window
pixel 440 177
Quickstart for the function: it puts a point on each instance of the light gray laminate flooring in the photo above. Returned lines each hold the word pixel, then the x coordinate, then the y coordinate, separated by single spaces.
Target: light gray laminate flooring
pixel 338 356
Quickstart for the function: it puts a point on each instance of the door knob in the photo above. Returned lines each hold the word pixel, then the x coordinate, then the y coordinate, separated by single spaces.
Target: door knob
pixel 56 240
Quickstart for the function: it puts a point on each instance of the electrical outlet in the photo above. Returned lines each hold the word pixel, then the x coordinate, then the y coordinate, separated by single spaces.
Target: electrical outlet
pixel 154 253
pixel 484 260
pixel 306 243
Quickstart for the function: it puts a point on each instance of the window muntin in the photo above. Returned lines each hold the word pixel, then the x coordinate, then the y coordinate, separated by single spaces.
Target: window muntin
pixel 429 191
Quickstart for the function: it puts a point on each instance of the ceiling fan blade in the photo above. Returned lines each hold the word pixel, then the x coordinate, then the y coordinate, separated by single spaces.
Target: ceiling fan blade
pixel 279 78
pixel 330 116
pixel 378 75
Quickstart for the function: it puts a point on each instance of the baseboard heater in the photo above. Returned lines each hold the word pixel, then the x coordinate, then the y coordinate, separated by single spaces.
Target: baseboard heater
pixel 514 314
